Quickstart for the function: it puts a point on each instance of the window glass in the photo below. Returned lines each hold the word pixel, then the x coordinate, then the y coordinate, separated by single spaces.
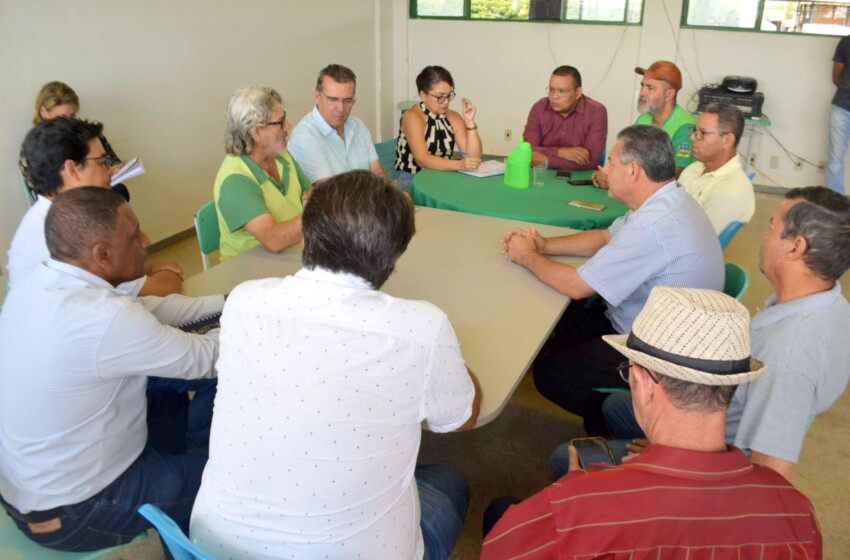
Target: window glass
pixel 444 8
pixel 819 17
pixel 499 9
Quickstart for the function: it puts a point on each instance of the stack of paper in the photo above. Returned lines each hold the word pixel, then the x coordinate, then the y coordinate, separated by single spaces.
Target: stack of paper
pixel 132 168
pixel 487 169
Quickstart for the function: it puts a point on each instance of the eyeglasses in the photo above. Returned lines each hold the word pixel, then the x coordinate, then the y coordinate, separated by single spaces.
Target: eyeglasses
pixel 624 368
pixel 280 122
pixel 699 133
pixel 442 98
pixel 346 101
pixel 105 160
pixel 561 92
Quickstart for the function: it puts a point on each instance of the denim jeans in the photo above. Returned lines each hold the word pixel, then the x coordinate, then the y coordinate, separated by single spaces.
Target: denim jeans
pixel 619 414
pixel 839 137
pixel 443 501
pixel 109 518
pixel 175 423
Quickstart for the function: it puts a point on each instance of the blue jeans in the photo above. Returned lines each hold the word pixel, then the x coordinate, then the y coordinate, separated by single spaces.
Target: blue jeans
pixel 839 137
pixel 443 501
pixel 175 423
pixel 109 518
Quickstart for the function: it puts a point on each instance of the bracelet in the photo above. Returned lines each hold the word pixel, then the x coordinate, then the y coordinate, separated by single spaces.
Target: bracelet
pixel 472 127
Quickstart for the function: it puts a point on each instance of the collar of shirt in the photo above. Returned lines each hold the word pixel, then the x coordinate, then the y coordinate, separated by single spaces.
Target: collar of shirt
pixel 325 129
pixel 724 169
pixel 82 274
pixel 773 313
pixel 319 274
pixel 261 176
pixel 684 463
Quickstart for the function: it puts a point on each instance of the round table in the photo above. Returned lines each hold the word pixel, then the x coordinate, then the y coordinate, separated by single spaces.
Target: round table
pixel 489 196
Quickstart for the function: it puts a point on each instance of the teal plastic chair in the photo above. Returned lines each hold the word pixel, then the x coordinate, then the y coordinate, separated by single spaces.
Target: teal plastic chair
pixel 30 194
pixel 177 542
pixel 209 236
pixel 728 233
pixel 14 545
pixel 737 281
pixel 386 155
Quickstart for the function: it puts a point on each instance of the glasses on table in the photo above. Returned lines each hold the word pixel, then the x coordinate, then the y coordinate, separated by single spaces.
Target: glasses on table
pixel 442 98
pixel 625 368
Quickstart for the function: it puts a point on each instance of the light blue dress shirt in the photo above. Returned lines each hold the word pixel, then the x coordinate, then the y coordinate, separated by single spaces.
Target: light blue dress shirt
pixel 320 151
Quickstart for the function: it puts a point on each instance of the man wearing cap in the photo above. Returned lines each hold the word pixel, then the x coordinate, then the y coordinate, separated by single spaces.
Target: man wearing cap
pixel 657 105
pixel 801 333
pixel 566 129
pixel 329 141
pixel 688 494
pixel 664 240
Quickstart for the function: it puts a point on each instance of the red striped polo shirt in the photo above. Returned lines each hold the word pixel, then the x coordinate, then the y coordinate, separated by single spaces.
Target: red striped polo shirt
pixel 667 503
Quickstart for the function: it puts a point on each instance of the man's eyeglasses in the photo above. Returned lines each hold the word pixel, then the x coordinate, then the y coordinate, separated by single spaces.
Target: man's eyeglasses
pixel 561 92
pixel 346 101
pixel 276 123
pixel 624 368
pixel 105 160
pixel 699 133
pixel 442 98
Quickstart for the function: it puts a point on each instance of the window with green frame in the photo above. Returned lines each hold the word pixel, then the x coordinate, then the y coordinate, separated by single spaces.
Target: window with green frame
pixel 816 17
pixel 624 12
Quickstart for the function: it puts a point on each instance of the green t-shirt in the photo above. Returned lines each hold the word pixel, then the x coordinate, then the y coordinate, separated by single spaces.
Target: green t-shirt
pixel 244 191
pixel 678 127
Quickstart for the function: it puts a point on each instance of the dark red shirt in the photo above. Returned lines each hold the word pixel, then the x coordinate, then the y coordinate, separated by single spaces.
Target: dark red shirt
pixel 666 503
pixel 586 126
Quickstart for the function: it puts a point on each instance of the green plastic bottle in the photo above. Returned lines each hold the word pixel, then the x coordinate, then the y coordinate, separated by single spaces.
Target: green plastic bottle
pixel 518 166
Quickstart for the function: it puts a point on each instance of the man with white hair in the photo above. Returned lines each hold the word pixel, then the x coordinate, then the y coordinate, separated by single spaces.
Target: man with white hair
pixel 688 493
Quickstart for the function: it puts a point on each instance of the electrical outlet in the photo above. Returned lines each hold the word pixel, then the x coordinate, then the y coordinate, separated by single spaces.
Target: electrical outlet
pixel 508 134
pixel 798 164
pixel 774 162
pixel 752 159
pixel 821 166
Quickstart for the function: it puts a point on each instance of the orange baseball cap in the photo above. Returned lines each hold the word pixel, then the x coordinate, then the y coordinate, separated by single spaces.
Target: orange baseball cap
pixel 663 70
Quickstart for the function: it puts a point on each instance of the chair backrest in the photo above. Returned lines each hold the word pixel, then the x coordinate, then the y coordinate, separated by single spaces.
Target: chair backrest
pixel 177 542
pixel 209 236
pixel 386 155
pixel 728 233
pixel 737 281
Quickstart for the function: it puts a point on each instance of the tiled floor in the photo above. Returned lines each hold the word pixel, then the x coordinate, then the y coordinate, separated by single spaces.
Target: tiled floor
pixel 510 455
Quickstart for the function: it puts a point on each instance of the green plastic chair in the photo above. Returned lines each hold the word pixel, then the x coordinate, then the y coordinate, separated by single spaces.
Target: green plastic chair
pixel 14 545
pixel 30 194
pixel 209 236
pixel 386 155
pixel 737 281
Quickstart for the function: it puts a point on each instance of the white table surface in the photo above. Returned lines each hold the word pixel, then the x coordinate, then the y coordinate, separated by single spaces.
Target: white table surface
pixel 502 314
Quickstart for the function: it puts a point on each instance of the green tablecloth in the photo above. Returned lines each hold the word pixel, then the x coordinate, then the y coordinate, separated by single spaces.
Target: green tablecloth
pixel 489 196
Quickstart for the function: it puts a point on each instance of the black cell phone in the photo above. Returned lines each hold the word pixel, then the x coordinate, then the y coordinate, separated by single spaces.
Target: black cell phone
pixel 581 182
pixel 592 452
pixel 563 175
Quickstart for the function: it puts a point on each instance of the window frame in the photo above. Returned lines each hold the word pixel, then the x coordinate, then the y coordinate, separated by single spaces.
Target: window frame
pixel 467 4
pixel 683 24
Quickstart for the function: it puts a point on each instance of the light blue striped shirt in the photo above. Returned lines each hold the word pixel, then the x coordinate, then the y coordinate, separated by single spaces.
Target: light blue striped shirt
pixel 320 151
pixel 668 241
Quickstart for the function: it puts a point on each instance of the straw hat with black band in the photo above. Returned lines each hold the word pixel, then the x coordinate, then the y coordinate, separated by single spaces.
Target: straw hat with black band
pixel 700 336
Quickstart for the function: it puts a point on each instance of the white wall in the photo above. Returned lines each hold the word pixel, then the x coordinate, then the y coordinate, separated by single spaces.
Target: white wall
pixel 158 75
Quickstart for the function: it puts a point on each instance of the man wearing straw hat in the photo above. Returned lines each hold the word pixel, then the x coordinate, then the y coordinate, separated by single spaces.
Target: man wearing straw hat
pixel 688 494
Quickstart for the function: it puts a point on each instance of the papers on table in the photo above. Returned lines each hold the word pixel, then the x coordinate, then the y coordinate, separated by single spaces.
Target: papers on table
pixel 487 169
pixel 132 168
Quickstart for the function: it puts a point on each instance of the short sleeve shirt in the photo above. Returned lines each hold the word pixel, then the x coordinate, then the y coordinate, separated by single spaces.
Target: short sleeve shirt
pixel 726 194
pixel 321 152
pixel 668 241
pixel 244 191
pixel 842 56
pixel 678 127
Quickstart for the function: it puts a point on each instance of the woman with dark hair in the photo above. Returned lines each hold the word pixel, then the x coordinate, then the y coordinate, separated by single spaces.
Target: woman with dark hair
pixel 431 132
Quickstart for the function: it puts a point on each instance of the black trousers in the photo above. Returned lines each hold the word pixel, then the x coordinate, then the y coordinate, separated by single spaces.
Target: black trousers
pixel 575 361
